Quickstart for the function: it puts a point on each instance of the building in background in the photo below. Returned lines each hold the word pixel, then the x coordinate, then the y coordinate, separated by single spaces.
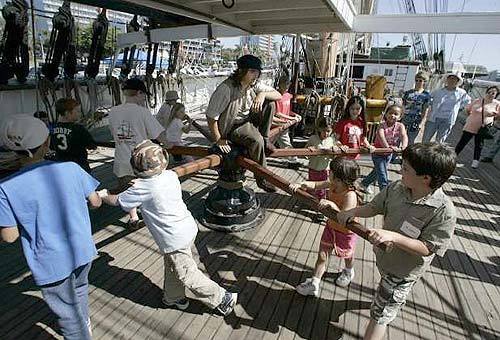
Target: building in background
pixel 202 51
pixel 475 71
pixel 84 15
pixel 261 45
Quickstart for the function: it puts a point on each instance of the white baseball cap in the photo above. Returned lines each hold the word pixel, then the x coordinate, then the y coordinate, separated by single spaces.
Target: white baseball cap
pixel 22 133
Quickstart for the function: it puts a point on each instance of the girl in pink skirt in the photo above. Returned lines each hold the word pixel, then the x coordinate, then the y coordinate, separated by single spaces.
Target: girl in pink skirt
pixel 336 238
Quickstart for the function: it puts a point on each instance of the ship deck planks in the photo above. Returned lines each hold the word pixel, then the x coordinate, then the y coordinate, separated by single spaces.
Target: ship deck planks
pixel 454 300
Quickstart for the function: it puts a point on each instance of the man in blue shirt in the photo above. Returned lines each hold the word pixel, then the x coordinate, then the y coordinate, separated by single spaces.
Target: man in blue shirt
pixel 446 102
pixel 53 221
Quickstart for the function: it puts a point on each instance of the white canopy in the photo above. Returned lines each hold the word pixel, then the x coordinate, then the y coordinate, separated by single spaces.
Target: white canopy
pixel 254 17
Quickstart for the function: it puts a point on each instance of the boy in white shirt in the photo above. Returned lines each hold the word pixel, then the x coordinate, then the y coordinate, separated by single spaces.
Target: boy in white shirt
pixel 158 192
pixel 131 123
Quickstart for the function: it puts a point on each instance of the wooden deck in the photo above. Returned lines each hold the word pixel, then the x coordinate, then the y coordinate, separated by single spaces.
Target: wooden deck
pixel 458 298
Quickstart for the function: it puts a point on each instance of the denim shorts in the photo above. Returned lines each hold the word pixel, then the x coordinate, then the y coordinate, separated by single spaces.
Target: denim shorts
pixel 390 297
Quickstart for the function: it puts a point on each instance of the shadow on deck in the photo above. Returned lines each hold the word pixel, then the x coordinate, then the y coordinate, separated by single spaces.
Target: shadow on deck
pixel 456 299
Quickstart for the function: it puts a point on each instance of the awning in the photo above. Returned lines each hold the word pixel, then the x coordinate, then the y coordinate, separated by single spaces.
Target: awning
pixel 252 16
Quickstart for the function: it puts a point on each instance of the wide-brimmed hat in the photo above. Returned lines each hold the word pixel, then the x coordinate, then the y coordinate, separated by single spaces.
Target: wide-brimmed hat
pixel 171 95
pixel 136 84
pixel 457 75
pixel 22 133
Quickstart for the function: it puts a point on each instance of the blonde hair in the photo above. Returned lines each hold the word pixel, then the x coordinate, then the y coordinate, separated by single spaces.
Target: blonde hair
pixel 422 75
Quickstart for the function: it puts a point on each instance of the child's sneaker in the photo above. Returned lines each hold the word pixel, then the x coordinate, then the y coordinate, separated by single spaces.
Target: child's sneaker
pixel 367 189
pixel 228 302
pixel 89 326
pixel 135 225
pixel 308 287
pixel 345 278
pixel 181 304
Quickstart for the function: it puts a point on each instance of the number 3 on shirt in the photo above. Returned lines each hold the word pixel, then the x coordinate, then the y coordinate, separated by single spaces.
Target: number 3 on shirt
pixel 63 141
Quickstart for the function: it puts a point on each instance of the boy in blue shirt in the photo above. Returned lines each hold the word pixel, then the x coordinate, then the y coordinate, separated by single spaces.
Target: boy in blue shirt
pixel 53 221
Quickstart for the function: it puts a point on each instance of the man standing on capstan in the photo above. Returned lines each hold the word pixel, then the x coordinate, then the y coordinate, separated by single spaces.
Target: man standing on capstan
pixel 241 111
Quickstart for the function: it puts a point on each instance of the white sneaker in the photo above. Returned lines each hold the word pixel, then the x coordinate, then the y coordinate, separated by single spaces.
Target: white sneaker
pixel 89 326
pixel 228 302
pixel 345 278
pixel 368 189
pixel 475 164
pixel 308 287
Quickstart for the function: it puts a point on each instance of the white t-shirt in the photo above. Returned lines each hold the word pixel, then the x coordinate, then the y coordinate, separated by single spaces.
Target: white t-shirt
pixel 163 210
pixel 222 95
pixel 174 131
pixel 130 124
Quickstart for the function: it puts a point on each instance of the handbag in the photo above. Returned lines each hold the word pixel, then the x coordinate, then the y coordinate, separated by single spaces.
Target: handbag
pixel 485 131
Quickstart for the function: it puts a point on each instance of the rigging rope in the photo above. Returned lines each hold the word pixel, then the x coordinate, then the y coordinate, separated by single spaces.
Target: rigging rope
pixel 129 53
pixel 14 44
pixel 99 33
pixel 150 65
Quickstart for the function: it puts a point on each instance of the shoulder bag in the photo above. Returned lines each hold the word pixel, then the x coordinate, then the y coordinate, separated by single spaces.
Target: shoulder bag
pixel 486 131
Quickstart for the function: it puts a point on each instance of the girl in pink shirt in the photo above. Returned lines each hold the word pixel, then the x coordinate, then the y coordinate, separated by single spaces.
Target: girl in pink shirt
pixel 481 111
pixel 390 134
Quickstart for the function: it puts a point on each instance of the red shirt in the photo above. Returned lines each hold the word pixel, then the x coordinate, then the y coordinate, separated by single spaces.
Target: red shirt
pixel 351 133
pixel 283 106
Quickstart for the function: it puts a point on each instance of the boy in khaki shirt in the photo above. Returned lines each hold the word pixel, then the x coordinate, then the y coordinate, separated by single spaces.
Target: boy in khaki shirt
pixel 419 220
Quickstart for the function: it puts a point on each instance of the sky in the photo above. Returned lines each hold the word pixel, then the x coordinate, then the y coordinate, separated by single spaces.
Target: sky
pixel 481 49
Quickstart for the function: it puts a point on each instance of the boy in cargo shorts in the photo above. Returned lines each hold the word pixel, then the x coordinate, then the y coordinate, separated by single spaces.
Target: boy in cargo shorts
pixel 158 192
pixel 419 221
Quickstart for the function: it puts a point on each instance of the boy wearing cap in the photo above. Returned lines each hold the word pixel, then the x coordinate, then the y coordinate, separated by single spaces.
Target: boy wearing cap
pixel 237 112
pixel 131 123
pixel 158 192
pixel 417 102
pixel 53 221
pixel 446 102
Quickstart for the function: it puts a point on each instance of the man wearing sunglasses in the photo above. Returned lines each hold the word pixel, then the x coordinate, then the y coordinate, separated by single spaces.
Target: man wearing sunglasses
pixel 417 102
